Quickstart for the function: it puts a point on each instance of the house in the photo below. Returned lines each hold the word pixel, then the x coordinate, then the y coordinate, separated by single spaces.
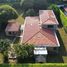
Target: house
pixel 65 11
pixel 12 28
pixel 41 32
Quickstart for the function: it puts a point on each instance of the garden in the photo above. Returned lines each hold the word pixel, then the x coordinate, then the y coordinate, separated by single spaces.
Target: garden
pixel 19 10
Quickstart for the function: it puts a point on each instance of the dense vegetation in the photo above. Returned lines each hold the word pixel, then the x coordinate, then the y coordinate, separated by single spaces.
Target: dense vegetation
pixel 6 13
pixel 32 7
pixel 23 51
pixel 4 45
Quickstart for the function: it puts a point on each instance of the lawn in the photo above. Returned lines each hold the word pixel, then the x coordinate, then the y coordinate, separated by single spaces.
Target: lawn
pixel 1 58
pixel 34 65
pixel 20 19
pixel 63 42
pixel 63 18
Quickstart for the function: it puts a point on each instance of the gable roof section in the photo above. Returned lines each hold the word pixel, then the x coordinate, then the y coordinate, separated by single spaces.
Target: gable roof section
pixel 12 26
pixel 35 34
pixel 65 8
pixel 47 17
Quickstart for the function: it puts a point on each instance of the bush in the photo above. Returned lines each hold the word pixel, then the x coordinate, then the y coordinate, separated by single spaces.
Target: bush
pixel 7 13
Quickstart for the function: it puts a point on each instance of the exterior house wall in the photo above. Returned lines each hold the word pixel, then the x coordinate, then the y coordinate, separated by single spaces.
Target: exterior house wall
pixel 12 33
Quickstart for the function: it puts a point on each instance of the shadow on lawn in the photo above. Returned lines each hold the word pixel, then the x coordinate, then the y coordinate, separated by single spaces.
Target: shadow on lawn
pixel 57 58
pixel 62 50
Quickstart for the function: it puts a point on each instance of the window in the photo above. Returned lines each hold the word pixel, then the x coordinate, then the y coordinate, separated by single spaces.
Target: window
pixel 9 32
pixel 50 26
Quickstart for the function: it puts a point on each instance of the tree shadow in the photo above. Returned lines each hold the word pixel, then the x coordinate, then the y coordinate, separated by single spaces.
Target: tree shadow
pixel 57 57
pixel 62 50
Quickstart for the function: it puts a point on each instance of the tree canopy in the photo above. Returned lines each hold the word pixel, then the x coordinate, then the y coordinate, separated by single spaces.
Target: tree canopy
pixel 35 4
pixel 7 13
pixel 23 50
pixel 4 44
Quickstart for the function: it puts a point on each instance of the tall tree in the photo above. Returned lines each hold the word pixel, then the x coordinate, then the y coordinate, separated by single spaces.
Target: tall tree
pixel 23 50
pixel 7 13
pixel 26 4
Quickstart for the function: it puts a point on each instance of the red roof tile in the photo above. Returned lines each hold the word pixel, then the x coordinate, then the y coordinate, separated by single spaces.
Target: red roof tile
pixel 47 17
pixel 35 34
pixel 12 26
pixel 65 9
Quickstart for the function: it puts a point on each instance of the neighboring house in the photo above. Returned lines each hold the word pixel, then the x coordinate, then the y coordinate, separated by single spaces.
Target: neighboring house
pixel 65 0
pixel 41 32
pixel 12 28
pixel 65 12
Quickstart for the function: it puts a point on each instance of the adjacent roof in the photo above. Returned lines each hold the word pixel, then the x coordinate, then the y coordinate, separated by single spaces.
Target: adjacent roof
pixel 34 34
pixel 12 26
pixel 65 8
pixel 47 17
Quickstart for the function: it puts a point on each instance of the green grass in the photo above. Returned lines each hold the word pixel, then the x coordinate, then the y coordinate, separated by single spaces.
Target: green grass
pixel 33 65
pixel 20 19
pixel 63 18
pixel 63 50
pixel 1 58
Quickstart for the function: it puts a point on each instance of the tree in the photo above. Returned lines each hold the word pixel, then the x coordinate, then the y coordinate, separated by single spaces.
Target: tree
pixel 40 4
pixel 26 4
pixel 30 12
pixel 7 13
pixel 23 50
pixel 4 45
pixel 35 4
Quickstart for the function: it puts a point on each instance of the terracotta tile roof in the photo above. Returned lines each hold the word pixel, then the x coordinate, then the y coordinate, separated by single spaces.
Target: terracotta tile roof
pixel 47 17
pixel 65 8
pixel 12 26
pixel 35 34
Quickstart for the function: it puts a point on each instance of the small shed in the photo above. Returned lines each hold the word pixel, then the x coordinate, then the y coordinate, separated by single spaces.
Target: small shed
pixel 12 28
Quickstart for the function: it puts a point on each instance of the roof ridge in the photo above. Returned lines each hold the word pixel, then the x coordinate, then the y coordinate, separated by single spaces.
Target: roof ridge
pixel 45 36
pixel 32 36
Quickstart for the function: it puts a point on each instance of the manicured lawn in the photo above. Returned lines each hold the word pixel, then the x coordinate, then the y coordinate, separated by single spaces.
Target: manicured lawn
pixel 20 19
pixel 1 58
pixel 63 18
pixel 33 65
pixel 63 48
